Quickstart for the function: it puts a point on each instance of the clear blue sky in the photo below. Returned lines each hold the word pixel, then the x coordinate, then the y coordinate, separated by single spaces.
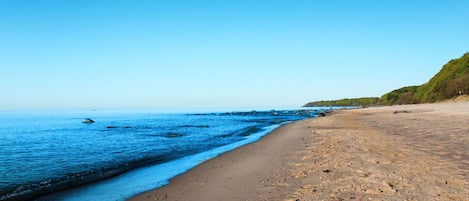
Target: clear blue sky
pixel 80 54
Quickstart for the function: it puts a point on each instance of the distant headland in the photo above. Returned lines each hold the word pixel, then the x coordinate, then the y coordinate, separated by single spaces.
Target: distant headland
pixel 451 83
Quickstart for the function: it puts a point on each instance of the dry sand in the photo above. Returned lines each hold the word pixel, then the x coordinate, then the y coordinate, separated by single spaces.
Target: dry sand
pixel 410 152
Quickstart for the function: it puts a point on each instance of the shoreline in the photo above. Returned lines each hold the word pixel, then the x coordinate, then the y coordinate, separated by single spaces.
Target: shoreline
pixel 419 152
pixel 147 177
pixel 233 179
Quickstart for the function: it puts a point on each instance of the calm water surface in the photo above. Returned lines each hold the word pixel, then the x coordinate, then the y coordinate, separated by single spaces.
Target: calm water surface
pixel 46 152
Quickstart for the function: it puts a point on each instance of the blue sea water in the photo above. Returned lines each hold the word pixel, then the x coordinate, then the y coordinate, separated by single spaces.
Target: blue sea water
pixel 54 154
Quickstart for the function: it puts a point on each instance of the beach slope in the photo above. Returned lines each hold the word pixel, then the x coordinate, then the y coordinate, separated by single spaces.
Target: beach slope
pixel 409 152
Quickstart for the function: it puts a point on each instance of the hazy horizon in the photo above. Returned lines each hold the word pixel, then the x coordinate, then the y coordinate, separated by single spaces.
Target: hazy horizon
pixel 220 54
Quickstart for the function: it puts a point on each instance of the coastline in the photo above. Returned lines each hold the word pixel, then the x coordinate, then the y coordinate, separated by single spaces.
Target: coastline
pixel 147 177
pixel 391 153
pixel 236 174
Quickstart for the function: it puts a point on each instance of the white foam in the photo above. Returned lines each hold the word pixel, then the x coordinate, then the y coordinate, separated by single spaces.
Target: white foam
pixel 144 179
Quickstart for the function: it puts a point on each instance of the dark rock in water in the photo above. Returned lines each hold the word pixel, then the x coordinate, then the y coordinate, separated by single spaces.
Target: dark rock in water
pixel 111 127
pixel 88 121
pixel 321 114
pixel 274 113
pixel 173 135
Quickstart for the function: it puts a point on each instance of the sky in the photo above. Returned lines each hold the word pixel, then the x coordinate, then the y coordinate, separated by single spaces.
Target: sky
pixel 164 54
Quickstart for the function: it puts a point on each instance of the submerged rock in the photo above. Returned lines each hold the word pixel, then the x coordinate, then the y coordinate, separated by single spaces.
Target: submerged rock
pixel 173 135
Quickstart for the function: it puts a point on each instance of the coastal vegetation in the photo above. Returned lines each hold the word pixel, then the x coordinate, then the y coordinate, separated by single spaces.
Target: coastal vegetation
pixel 368 101
pixel 450 82
pixel 400 96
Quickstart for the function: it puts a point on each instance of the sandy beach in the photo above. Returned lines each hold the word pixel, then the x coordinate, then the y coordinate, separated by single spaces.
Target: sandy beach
pixel 408 152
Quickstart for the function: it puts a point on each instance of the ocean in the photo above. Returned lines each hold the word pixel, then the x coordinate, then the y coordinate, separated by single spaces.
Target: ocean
pixel 54 156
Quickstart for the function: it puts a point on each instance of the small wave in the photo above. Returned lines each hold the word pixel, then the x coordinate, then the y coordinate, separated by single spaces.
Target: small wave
pixel 255 120
pixel 247 131
pixel 194 126
pixel 118 126
pixel 37 189
pixel 153 135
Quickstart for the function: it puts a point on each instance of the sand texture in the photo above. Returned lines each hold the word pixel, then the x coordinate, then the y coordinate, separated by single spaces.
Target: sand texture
pixel 410 152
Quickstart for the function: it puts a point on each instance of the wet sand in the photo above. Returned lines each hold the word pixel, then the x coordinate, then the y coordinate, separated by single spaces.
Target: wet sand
pixel 410 152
